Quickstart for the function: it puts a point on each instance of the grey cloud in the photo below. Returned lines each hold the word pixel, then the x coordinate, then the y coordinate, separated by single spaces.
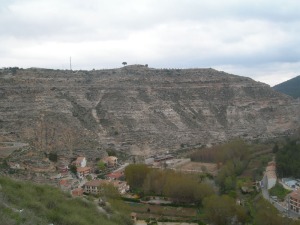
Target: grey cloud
pixel 192 33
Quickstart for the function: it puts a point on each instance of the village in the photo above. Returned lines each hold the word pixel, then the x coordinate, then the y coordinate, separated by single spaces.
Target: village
pixel 87 177
pixel 289 204
pixel 82 176
pixel 86 180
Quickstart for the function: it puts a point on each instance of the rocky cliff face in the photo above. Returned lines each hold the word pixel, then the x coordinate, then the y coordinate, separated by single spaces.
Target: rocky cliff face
pixel 140 110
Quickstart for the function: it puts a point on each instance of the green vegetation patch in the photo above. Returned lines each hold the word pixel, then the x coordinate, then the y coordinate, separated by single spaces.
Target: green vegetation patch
pixel 181 188
pixel 279 191
pixel 27 203
pixel 287 159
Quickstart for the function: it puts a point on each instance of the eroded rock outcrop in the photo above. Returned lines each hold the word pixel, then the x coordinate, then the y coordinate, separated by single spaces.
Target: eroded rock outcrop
pixel 140 110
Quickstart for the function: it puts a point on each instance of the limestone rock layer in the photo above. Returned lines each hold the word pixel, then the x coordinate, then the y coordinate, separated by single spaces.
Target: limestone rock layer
pixel 142 110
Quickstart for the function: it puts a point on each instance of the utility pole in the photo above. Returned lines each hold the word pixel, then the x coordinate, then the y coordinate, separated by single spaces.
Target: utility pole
pixel 70 63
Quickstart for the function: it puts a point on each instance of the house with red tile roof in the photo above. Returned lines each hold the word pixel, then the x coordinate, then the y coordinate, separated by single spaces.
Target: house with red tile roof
pixel 94 186
pixel 77 192
pixel 115 175
pixel 83 171
pixel 294 201
pixel 65 184
pixel 121 186
pixel 110 161
pixel 63 168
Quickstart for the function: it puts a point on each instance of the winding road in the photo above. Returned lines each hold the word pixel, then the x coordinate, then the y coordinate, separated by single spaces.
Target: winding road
pixel 282 209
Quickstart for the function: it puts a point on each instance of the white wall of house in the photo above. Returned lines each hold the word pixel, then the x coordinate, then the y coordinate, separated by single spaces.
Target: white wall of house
pixel 83 162
pixel 271 182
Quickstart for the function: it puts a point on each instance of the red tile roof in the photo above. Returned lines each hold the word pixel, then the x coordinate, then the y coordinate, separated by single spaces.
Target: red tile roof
pixel 296 194
pixel 83 169
pixel 110 159
pixel 96 183
pixel 77 192
pixel 115 175
pixel 64 182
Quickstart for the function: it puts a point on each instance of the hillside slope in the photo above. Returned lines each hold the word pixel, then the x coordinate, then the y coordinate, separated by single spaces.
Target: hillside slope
pixel 290 87
pixel 28 203
pixel 140 110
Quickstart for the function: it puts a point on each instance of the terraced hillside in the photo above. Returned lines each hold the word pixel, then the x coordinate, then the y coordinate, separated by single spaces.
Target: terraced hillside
pixel 141 110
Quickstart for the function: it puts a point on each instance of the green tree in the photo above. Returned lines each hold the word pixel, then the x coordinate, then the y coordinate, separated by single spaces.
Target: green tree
pixel 52 156
pixel 275 148
pixel 73 169
pixel 136 174
pixel 154 182
pixel 111 152
pixel 226 177
pixel 180 187
pixel 223 210
pixel 101 165
pixel 89 177
pixel 287 163
pixel 110 192
pixel 203 190
pixel 266 214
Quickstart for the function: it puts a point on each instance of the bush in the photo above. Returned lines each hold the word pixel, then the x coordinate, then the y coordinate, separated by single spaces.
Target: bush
pixel 279 191
pixel 130 199
pixel 52 157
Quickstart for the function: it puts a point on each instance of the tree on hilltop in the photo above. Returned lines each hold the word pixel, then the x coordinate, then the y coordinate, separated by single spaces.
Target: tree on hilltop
pixel 124 63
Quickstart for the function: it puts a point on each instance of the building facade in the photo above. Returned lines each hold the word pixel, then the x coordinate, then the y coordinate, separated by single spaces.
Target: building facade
pixel 83 171
pixel 110 161
pixel 271 175
pixel 294 201
pixel 96 186
pixel 80 162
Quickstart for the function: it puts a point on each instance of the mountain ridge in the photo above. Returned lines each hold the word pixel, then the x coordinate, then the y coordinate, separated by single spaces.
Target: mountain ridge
pixel 290 87
pixel 141 110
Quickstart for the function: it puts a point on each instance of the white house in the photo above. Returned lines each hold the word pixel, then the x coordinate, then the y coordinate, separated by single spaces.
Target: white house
pixel 271 176
pixel 290 183
pixel 80 162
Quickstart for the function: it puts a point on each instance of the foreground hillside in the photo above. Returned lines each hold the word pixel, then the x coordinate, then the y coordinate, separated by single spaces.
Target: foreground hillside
pixel 27 203
pixel 290 87
pixel 140 110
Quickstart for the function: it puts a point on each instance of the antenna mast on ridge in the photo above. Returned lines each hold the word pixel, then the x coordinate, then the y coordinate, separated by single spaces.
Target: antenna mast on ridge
pixel 70 63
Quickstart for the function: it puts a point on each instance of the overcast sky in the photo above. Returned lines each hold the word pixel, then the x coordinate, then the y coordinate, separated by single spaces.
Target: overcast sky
pixel 255 38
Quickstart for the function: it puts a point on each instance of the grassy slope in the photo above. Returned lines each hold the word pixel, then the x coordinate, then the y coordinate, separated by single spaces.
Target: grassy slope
pixel 44 205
